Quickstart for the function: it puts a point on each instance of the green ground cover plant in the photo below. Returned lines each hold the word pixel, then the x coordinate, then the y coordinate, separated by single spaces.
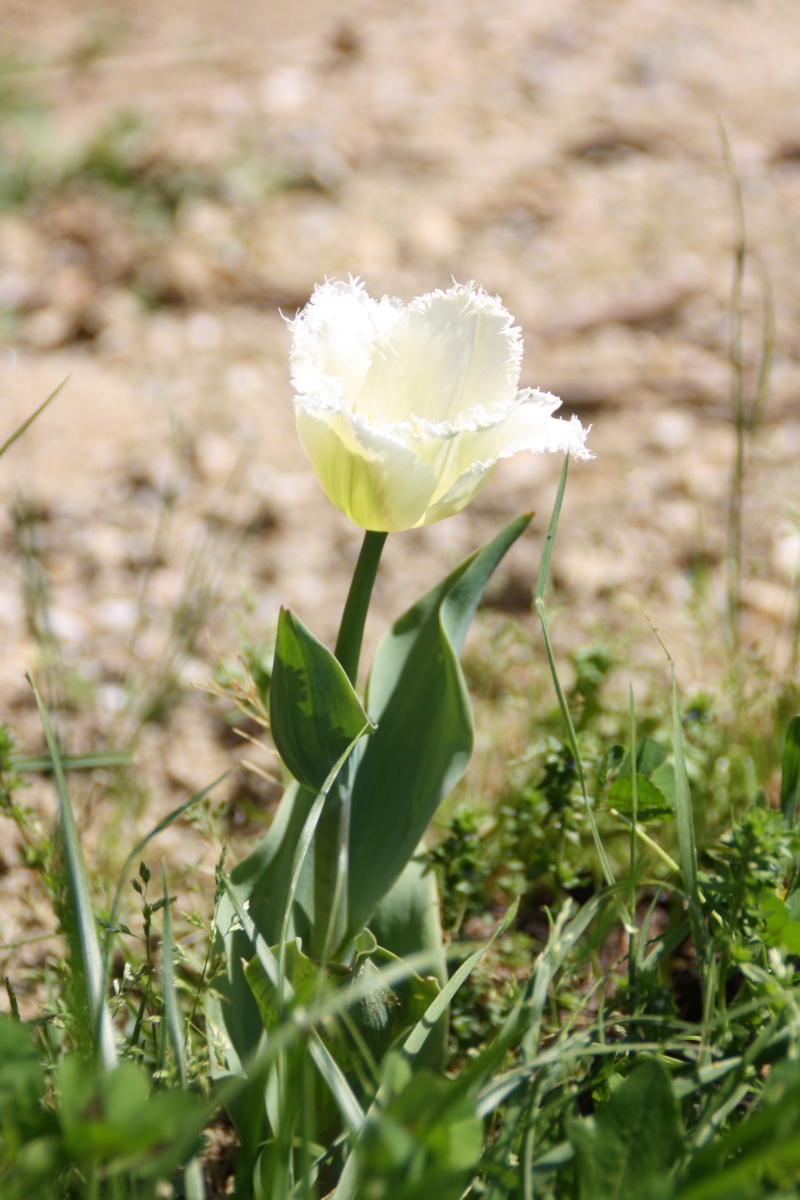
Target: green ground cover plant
pixel 586 989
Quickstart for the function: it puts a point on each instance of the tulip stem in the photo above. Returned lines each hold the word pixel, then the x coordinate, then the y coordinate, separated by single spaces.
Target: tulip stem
pixel 351 630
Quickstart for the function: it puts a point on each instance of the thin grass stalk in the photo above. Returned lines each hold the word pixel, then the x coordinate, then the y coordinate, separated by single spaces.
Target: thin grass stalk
pixel 526 1156
pixel 18 432
pixel 36 594
pixel 683 804
pixel 42 764
pixel 200 590
pixel 541 612
pixel 738 414
pixel 82 913
pixel 419 1034
pixel 632 932
pixel 194 1185
pixel 759 401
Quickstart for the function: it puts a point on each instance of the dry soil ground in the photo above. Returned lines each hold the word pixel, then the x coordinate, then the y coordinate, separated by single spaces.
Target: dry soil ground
pixel 188 171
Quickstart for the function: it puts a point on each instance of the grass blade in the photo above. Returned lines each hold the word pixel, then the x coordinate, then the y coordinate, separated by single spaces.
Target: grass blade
pixel 632 929
pixel 43 764
pixel 683 810
pixel 172 1013
pixel 550 539
pixel 80 906
pixel 194 1185
pixel 541 612
pixel 419 1034
pixel 18 432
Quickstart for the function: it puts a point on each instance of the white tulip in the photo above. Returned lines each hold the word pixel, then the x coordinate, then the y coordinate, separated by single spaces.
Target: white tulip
pixel 405 410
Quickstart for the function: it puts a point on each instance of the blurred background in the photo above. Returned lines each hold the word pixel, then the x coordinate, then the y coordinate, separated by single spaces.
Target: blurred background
pixel 174 179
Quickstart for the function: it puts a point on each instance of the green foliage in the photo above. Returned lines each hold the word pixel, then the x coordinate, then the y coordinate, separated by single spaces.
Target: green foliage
pixel 426 1140
pixel 91 1127
pixel 629 1150
pixel 314 712
pixel 635 1041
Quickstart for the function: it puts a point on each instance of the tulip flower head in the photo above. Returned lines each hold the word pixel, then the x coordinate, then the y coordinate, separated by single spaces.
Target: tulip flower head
pixel 405 410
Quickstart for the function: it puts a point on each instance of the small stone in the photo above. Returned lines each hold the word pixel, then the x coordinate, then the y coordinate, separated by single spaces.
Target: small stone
pixel 769 599
pixel 49 328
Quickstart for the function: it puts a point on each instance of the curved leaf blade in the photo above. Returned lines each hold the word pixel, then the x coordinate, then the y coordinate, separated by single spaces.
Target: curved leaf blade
pixel 314 711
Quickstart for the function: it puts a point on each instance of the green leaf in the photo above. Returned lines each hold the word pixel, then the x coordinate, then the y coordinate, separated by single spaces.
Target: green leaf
pixel 625 1152
pixel 387 1013
pixel 790 937
pixel 664 779
pixel 418 698
pixel 782 929
pixel 21 1073
pixel 610 762
pixel 651 801
pixel 649 757
pixel 790 778
pixel 776 915
pixel 421 1141
pixel 314 711
pixel 301 974
pixel 110 1117
pixel 406 921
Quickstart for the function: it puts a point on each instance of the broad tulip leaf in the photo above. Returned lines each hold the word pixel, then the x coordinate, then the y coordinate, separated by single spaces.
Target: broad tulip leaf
pixel 418 698
pixel 407 919
pixel 314 712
